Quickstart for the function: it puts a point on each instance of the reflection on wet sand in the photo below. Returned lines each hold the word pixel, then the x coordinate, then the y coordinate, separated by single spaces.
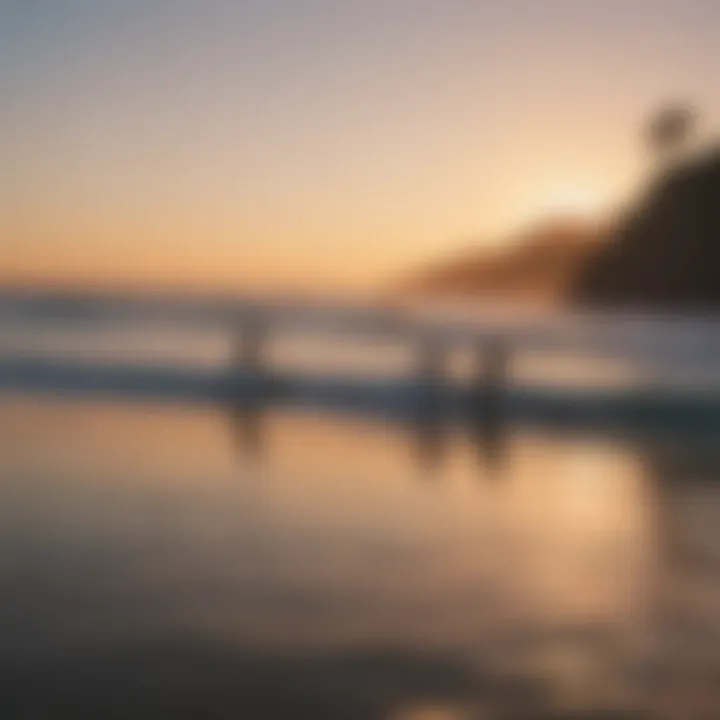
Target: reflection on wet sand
pixel 486 425
pixel 142 574
pixel 486 413
pixel 246 422
pixel 428 434
pixel 489 440
pixel 686 627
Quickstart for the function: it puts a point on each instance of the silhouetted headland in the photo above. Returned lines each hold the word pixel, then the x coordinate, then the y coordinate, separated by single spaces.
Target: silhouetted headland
pixel 539 264
pixel 662 253
pixel 665 253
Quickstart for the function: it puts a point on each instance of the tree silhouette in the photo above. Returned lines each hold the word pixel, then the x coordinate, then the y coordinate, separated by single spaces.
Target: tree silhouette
pixel 670 130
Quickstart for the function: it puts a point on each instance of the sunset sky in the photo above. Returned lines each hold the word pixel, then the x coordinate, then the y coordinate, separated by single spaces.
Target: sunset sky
pixel 319 143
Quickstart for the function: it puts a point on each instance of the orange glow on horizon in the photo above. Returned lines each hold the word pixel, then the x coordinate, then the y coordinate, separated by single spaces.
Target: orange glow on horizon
pixel 243 147
pixel 331 242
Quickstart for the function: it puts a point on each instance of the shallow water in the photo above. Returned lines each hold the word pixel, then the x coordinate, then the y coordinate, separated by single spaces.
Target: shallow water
pixel 341 552
pixel 168 561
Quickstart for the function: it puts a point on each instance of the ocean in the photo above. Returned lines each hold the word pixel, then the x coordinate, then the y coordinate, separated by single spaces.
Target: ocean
pixel 182 537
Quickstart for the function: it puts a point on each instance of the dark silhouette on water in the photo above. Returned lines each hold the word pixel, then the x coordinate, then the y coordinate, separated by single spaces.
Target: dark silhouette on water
pixel 250 362
pixel 488 403
pixel 248 429
pixel 250 344
pixel 430 444
pixel 430 416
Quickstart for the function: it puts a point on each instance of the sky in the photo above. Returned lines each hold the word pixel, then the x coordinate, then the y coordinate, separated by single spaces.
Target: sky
pixel 320 143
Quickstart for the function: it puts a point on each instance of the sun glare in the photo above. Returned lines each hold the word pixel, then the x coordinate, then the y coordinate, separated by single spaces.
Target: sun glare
pixel 578 200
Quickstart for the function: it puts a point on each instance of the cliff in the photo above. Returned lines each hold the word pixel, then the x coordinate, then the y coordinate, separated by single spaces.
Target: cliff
pixel 538 264
pixel 665 254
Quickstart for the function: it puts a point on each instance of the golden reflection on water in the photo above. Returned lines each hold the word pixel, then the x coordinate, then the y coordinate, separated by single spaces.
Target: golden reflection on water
pixel 564 536
pixel 333 537
pixel 434 713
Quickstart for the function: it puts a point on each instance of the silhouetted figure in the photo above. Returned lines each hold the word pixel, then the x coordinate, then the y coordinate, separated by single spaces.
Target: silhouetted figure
pixel 250 341
pixel 488 402
pixel 432 363
pixel 252 384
